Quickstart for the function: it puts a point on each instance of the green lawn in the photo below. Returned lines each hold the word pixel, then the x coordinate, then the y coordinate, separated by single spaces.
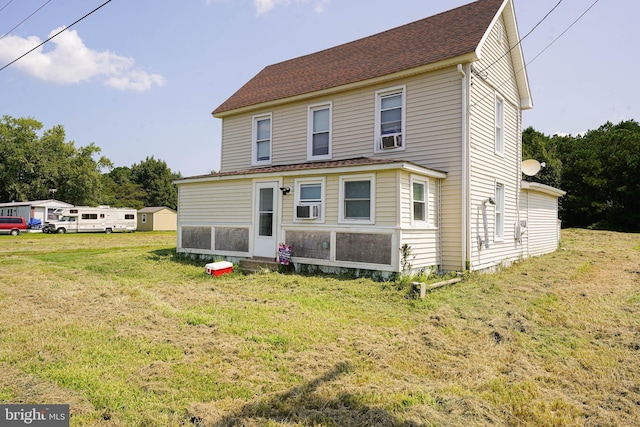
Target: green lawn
pixel 129 335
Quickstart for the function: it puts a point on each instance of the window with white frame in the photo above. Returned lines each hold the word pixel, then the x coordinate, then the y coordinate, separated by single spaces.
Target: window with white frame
pixel 143 218
pixel 390 119
pixel 419 197
pixel 499 136
pixel 499 212
pixel 261 151
pixel 319 137
pixel 309 198
pixel 357 199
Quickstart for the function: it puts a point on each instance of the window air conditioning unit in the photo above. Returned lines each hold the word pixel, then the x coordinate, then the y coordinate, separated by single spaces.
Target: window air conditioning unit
pixel 392 141
pixel 307 211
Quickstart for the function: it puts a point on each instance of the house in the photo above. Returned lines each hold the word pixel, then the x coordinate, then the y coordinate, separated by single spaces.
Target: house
pixel 159 218
pixel 39 209
pixel 410 137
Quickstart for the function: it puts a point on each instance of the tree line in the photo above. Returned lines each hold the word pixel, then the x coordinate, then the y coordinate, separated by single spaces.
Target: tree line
pixel 46 166
pixel 600 171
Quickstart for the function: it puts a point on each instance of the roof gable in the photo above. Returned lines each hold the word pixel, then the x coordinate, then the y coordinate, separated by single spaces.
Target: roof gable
pixel 447 35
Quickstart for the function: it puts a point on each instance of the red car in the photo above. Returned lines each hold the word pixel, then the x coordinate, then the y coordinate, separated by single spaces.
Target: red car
pixel 12 225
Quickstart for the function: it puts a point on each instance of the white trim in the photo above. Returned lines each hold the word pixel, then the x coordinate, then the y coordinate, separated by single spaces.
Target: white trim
pixel 499 208
pixel 372 199
pixel 310 110
pixel 498 124
pixel 377 142
pixel 254 139
pixel 426 222
pixel 542 188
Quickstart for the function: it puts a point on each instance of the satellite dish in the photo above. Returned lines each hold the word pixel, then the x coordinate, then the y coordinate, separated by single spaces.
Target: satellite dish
pixel 531 167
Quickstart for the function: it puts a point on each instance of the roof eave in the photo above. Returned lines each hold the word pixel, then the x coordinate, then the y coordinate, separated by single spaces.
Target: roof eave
pixel 400 164
pixel 517 57
pixel 460 59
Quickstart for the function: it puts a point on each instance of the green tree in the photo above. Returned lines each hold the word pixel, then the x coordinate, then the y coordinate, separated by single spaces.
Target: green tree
pixel 156 179
pixel 601 175
pixel 30 166
pixel 542 148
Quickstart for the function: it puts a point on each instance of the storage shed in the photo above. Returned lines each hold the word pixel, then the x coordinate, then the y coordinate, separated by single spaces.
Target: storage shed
pixel 159 218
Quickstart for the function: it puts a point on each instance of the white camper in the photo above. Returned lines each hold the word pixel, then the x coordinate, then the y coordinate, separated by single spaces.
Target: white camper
pixel 86 219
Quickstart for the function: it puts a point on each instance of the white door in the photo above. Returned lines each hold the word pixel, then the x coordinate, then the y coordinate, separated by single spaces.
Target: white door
pixel 265 239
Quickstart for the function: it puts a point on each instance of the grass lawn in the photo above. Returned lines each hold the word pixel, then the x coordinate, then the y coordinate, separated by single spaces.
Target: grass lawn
pixel 128 335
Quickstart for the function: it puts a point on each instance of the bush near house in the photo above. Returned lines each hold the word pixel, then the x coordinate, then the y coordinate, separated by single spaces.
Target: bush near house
pixel 127 334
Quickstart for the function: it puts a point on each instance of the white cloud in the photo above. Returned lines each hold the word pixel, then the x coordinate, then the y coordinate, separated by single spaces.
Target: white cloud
pixel 71 62
pixel 264 6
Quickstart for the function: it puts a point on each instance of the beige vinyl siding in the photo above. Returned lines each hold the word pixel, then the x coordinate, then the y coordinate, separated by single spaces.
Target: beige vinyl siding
pixel 434 139
pixel 236 143
pixel 543 227
pixel 487 167
pixel 220 202
pixel 423 239
pixel 423 245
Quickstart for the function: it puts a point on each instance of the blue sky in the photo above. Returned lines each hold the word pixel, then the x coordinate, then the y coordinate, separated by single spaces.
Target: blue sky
pixel 140 78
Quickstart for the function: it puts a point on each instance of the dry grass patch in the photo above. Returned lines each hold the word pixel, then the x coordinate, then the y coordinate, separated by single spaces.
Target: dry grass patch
pixel 129 335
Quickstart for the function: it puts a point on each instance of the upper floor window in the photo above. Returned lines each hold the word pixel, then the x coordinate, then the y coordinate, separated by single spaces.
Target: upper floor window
pixel 419 196
pixel 309 198
pixel 261 151
pixel 499 118
pixel 319 138
pixel 499 209
pixel 357 199
pixel 390 119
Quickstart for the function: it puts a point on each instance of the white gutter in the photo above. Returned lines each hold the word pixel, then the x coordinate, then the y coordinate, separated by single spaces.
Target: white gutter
pixel 465 170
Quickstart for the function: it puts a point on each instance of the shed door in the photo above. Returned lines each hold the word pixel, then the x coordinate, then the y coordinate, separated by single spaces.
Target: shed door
pixel 265 238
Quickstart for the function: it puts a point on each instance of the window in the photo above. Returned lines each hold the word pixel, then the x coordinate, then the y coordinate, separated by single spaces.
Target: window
pixel 499 209
pixel 131 216
pixel 261 152
pixel 499 126
pixel 357 199
pixel 89 216
pixel 265 212
pixel 319 138
pixel 309 197
pixel 390 119
pixel 419 191
pixel 144 218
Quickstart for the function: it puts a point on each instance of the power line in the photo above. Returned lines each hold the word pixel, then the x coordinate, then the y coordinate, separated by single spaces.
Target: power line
pixel 521 39
pixel 56 34
pixel 22 22
pixel 2 8
pixel 562 33
pixel 542 51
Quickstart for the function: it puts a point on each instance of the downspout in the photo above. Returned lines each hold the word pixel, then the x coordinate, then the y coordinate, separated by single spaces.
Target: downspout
pixel 465 171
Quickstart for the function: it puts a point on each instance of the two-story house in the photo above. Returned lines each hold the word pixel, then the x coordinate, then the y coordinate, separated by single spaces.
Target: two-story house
pixel 408 137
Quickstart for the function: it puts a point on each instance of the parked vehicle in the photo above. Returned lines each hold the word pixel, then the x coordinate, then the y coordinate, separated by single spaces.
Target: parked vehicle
pixel 86 219
pixel 13 225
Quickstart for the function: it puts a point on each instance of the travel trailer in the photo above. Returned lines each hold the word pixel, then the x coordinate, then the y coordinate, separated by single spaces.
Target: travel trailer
pixel 85 219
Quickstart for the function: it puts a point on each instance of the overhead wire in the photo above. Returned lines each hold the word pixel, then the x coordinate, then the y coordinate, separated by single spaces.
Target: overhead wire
pixel 541 52
pixel 55 35
pixel 522 38
pixel 2 8
pixel 22 22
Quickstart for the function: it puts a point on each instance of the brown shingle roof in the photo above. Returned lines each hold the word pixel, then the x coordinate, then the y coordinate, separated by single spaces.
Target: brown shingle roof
pixel 437 38
pixel 329 164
